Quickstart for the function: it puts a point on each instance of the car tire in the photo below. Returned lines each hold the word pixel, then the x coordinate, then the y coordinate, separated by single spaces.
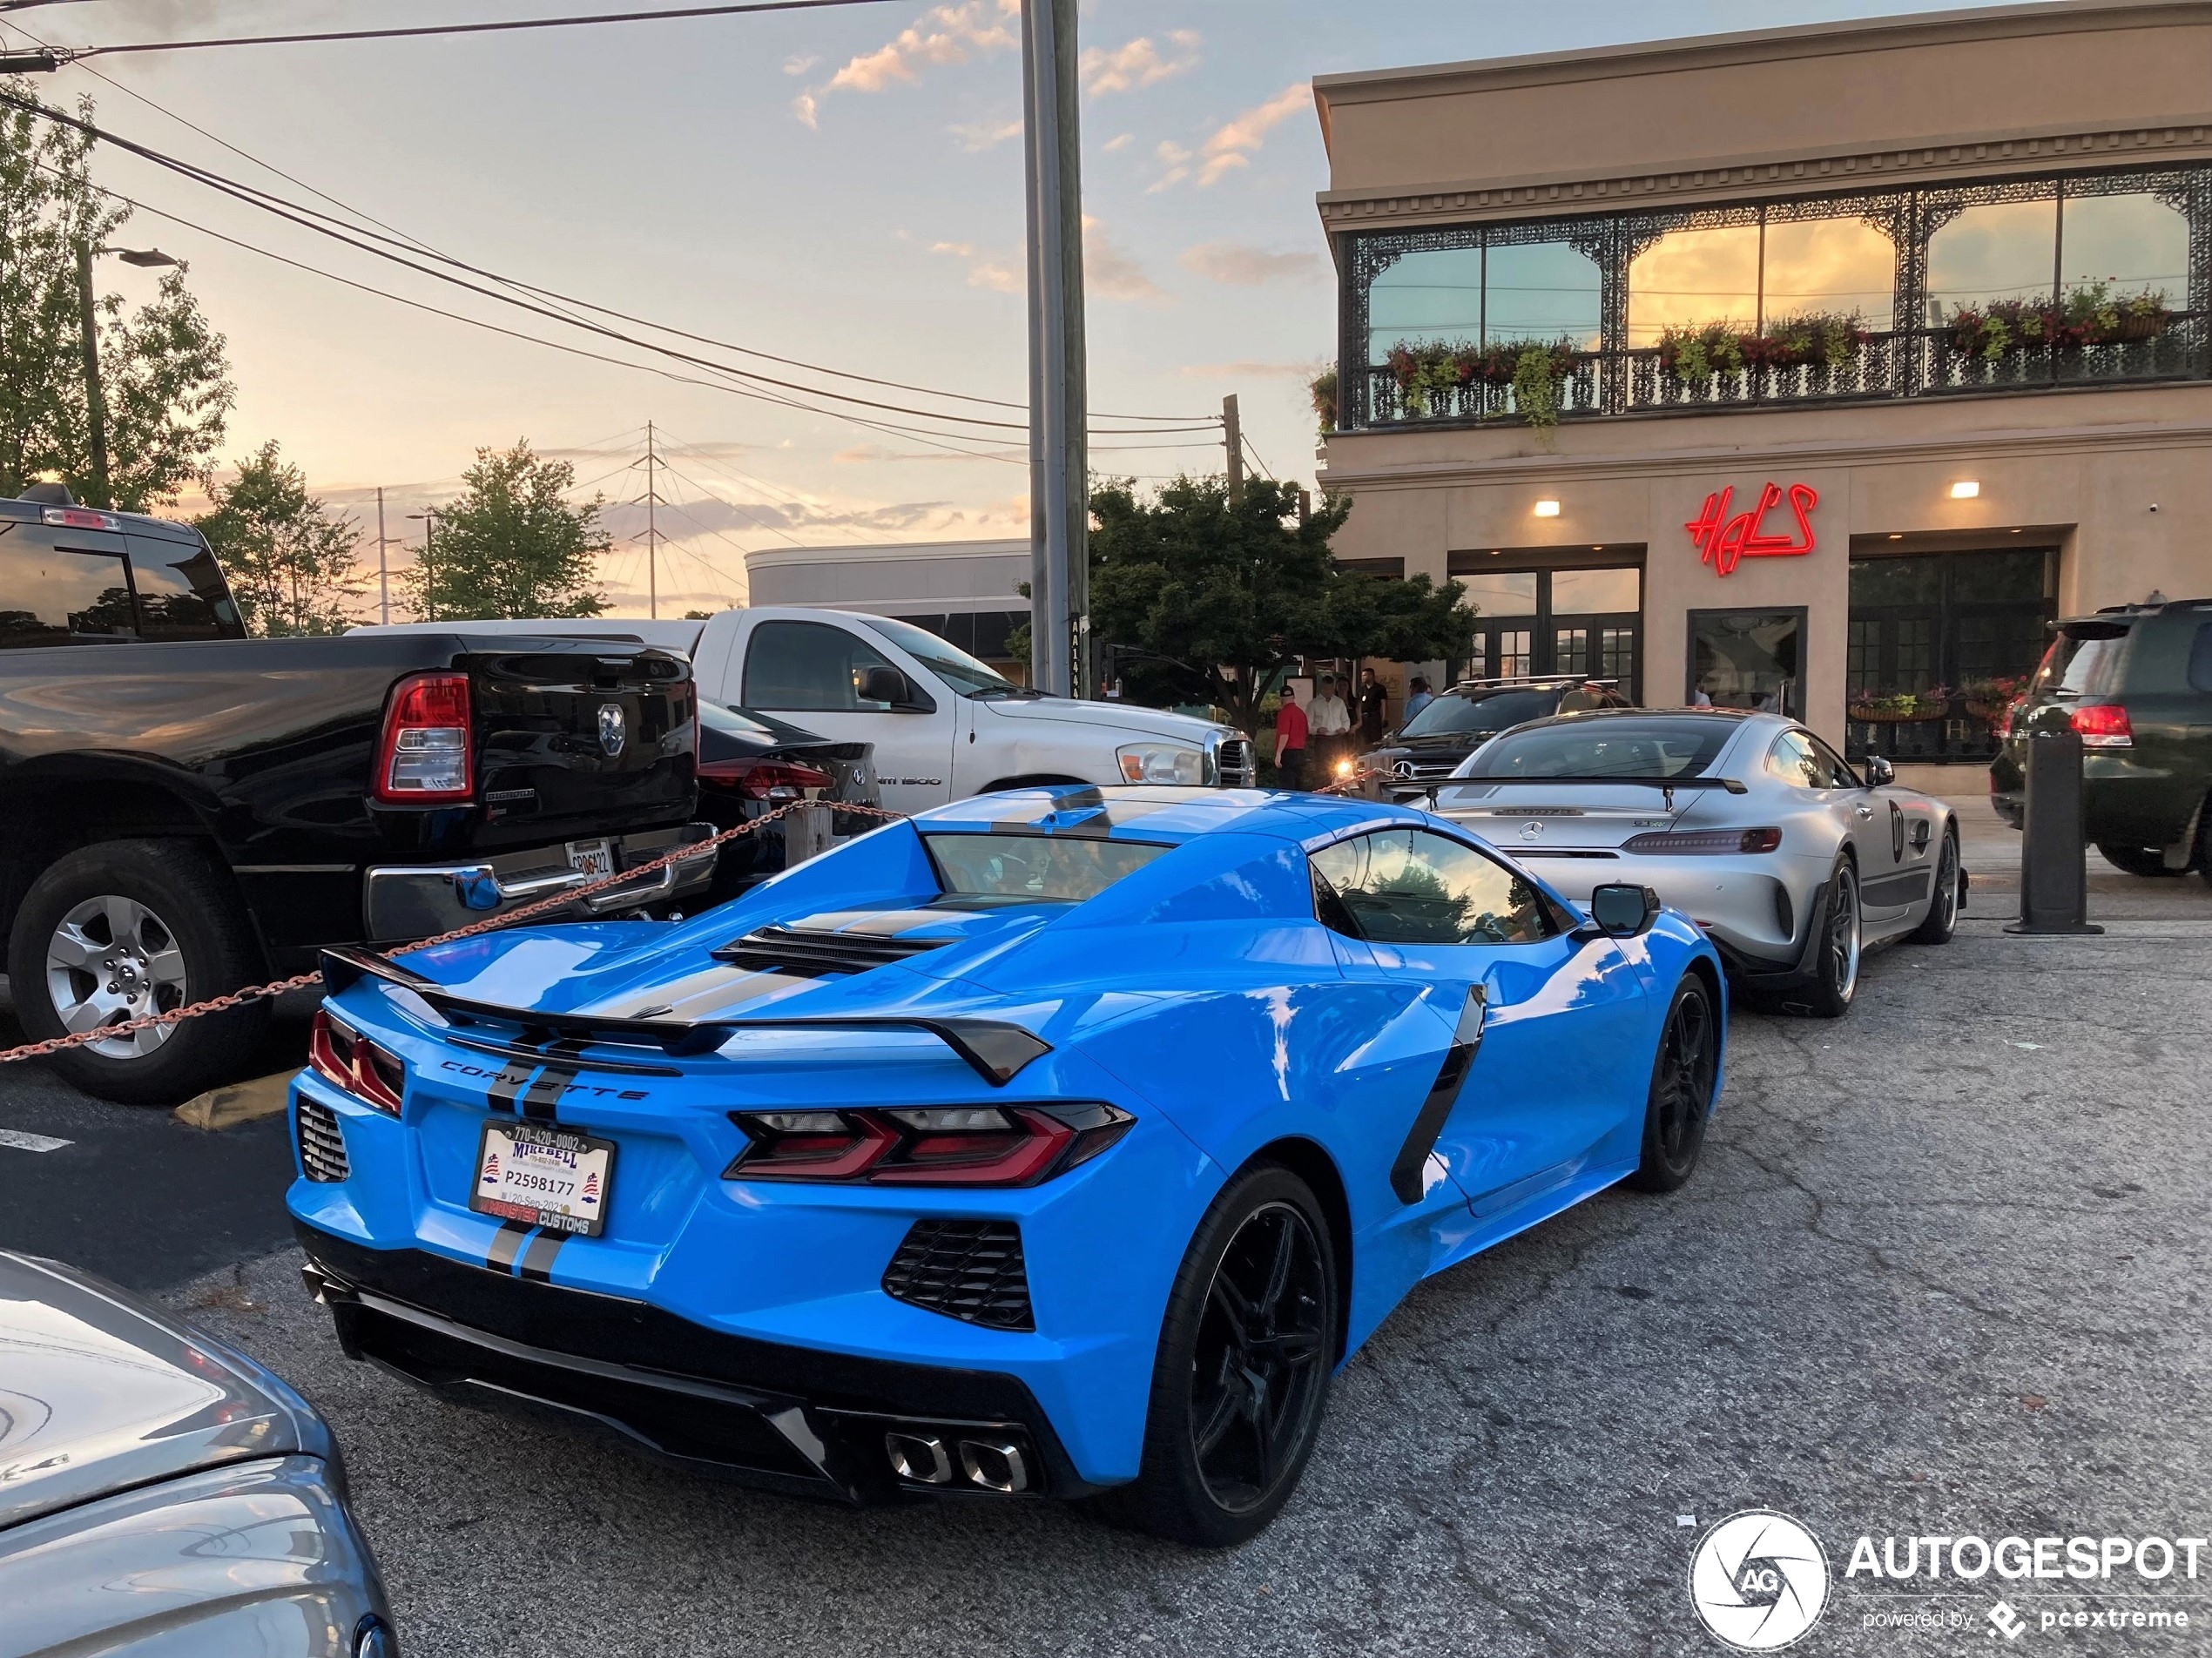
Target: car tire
pixel 184 938
pixel 2147 861
pixel 1257 1299
pixel 1942 918
pixel 2204 842
pixel 1680 1102
pixel 1837 952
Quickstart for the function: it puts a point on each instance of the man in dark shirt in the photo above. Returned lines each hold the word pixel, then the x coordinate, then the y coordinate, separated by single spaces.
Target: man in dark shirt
pixel 1374 708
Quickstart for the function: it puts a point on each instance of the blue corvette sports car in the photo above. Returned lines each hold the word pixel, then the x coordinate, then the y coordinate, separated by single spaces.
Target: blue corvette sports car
pixel 1061 1142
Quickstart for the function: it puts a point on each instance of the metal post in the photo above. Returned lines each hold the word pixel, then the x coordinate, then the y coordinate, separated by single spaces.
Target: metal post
pixel 383 575
pixel 2055 873
pixel 95 399
pixel 1233 438
pixel 1059 458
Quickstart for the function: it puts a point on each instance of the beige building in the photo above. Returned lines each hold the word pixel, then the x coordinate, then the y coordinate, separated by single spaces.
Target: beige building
pixel 1813 368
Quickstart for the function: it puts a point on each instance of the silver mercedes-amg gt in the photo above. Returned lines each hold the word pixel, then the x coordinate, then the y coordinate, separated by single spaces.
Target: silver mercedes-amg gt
pixel 1791 861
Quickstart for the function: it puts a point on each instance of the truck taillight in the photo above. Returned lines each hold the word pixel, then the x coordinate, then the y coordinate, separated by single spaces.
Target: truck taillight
pixel 2103 725
pixel 424 754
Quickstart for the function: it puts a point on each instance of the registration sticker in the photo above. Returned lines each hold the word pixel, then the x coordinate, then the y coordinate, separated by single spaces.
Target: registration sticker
pixel 591 856
pixel 543 1176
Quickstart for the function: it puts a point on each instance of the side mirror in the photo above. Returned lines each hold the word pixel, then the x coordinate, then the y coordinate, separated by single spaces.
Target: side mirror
pixel 882 684
pixel 1622 910
pixel 1880 772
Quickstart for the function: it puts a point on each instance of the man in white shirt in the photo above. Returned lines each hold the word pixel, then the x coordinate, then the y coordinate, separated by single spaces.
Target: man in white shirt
pixel 1327 721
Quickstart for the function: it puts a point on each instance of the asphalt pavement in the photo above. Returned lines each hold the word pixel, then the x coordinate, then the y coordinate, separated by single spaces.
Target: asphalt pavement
pixel 1940 1273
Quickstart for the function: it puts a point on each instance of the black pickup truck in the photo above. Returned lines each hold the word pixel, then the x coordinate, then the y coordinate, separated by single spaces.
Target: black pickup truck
pixel 184 810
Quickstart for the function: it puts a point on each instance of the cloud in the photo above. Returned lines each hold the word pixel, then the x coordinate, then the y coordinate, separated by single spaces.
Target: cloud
pixel 1138 63
pixel 1235 264
pixel 1111 274
pixel 1119 141
pixel 1248 371
pixel 799 65
pixel 1232 145
pixel 869 454
pixel 997 272
pixel 1176 161
pixel 977 136
pixel 944 34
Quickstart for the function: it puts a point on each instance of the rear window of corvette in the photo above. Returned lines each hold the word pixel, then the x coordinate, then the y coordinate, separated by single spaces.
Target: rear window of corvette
pixel 1035 868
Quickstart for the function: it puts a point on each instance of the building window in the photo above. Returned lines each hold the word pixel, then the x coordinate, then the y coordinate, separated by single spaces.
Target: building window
pixel 1936 636
pixel 1748 659
pixel 1568 619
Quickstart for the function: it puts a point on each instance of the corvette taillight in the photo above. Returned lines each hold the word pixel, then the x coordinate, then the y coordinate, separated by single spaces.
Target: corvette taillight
pixel 423 755
pixel 349 1061
pixel 966 1145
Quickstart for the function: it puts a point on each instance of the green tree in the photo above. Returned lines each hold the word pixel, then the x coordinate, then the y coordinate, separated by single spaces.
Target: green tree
pixel 289 559
pixel 1225 592
pixel 167 387
pixel 512 545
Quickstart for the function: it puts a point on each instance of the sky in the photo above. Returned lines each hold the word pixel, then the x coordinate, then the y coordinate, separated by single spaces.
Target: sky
pixel 841 186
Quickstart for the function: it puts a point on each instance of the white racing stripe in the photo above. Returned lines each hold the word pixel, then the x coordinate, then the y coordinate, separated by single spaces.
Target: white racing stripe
pixel 22 1142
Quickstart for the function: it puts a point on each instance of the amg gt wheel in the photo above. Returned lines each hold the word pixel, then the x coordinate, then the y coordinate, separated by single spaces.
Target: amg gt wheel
pixel 1942 918
pixel 2149 862
pixel 1242 1374
pixel 1681 1089
pixel 1835 968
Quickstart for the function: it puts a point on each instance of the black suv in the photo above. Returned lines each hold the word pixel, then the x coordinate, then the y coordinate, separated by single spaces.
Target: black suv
pixel 2137 682
pixel 1412 761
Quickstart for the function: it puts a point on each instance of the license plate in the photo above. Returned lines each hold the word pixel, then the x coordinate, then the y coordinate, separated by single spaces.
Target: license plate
pixel 593 858
pixel 543 1176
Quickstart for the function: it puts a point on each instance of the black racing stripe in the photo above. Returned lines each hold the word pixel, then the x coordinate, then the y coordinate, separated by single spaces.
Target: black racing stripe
pixel 537 1260
pixel 507 1085
pixel 541 1102
pixel 506 1245
pixel 1443 1094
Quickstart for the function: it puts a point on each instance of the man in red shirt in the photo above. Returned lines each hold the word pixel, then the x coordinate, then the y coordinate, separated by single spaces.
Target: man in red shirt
pixel 1290 741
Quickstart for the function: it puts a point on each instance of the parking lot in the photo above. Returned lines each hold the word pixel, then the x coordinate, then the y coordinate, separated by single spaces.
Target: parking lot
pixel 1937 1275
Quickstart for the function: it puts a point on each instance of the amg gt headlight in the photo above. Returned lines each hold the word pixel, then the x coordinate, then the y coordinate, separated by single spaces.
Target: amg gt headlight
pixel 1162 763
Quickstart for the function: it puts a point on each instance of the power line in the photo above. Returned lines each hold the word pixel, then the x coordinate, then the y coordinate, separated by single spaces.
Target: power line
pixel 307 218
pixel 417 242
pixel 418 32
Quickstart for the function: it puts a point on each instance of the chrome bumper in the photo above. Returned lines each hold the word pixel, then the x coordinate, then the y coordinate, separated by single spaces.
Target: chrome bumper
pixel 414 901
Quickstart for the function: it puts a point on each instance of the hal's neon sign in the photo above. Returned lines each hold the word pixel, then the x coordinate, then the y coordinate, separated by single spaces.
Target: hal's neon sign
pixel 1723 538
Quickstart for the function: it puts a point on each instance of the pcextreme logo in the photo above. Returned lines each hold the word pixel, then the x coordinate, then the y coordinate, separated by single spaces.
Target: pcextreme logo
pixel 1759 1580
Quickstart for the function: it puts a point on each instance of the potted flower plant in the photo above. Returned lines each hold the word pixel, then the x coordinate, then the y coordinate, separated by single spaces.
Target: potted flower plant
pixel 1901 707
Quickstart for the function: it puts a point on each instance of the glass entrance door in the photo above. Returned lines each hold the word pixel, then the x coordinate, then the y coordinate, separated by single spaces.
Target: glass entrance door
pixel 1938 646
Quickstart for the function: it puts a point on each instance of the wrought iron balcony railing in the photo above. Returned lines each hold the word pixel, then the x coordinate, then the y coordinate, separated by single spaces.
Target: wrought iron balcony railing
pixel 1910 362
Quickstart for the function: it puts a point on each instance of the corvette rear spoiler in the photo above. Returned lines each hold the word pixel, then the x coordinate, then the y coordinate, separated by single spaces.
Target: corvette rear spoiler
pixel 996 1049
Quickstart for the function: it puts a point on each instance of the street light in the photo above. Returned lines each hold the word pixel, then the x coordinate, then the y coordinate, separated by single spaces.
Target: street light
pixel 88 319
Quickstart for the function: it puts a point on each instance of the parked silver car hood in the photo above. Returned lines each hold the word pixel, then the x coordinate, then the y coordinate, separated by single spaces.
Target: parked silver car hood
pixel 98 1392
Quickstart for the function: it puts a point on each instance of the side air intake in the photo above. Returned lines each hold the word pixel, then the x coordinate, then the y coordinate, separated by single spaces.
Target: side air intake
pixel 971 1271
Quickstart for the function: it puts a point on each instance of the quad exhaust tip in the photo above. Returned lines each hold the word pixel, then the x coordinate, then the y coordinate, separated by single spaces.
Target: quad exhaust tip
pixel 989 1465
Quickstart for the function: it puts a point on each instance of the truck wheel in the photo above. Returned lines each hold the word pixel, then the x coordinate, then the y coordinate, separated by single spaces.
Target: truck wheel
pixel 2147 861
pixel 112 932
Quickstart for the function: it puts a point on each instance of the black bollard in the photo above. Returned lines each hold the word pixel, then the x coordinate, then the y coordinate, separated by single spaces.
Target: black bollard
pixel 2054 861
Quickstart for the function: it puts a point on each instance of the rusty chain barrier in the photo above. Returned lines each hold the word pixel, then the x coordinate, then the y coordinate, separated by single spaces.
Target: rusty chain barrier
pixel 251 994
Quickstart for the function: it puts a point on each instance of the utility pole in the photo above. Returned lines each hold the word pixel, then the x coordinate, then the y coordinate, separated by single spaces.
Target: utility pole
pixel 1232 436
pixel 1060 651
pixel 428 518
pixel 95 399
pixel 383 574
pixel 651 501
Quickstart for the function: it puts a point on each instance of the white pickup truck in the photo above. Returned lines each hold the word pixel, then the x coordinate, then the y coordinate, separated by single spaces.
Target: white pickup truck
pixel 945 726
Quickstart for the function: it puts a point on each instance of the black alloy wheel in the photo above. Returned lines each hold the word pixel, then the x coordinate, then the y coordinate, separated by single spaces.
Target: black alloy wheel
pixel 1262 1359
pixel 1681 1098
pixel 1942 918
pixel 1246 1352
